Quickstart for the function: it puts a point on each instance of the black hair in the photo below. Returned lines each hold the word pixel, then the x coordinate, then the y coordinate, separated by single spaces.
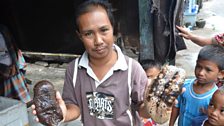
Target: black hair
pixel 213 53
pixel 148 64
pixel 89 5
pixel 9 41
pixel 12 49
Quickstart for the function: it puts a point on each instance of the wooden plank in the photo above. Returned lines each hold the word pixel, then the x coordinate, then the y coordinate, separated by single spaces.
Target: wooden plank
pixel 50 57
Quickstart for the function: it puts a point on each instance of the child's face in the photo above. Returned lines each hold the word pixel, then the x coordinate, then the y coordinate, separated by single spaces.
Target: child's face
pixel 216 109
pixel 206 71
pixel 152 73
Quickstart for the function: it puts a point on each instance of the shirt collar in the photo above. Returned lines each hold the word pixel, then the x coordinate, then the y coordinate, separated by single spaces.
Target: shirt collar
pixel 120 64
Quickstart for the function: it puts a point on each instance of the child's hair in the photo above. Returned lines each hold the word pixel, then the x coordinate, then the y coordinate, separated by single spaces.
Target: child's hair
pixel 90 5
pixel 214 53
pixel 147 64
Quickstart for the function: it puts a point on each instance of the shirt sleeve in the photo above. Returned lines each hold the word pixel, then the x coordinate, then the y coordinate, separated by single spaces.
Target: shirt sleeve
pixel 68 93
pixel 139 81
pixel 219 39
pixel 186 85
pixel 21 61
pixel 178 103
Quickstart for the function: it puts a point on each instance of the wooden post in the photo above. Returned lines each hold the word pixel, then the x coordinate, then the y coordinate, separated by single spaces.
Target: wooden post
pixel 145 30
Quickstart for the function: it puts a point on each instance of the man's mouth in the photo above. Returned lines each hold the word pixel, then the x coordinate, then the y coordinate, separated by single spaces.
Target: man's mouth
pixel 99 50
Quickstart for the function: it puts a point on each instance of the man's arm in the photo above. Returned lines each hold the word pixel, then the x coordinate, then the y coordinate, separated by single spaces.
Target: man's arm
pixel 70 111
pixel 199 40
pixel 73 112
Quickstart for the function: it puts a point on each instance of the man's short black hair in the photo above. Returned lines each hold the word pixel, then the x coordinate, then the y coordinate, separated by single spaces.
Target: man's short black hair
pixel 89 5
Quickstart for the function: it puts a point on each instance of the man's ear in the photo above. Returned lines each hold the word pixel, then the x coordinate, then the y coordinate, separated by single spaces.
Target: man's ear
pixel 79 35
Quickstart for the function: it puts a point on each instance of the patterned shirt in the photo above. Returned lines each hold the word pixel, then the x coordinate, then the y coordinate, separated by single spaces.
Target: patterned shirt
pixel 15 86
pixel 219 38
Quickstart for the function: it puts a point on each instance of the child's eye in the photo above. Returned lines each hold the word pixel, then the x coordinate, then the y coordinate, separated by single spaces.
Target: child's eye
pixel 222 111
pixel 211 104
pixel 198 67
pixel 208 69
pixel 150 77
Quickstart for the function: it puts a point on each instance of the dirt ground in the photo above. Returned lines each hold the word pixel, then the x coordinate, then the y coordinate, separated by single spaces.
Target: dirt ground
pixel 211 13
pixel 185 59
pixel 39 71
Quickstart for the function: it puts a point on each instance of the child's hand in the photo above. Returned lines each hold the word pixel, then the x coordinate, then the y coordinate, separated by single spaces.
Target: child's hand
pixel 203 110
pixel 182 91
pixel 161 93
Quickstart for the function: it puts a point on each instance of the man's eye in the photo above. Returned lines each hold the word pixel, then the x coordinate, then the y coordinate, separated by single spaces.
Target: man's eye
pixel 87 34
pixel 104 30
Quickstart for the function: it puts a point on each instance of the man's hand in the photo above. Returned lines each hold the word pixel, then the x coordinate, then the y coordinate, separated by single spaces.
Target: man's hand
pixel 59 101
pixel 61 104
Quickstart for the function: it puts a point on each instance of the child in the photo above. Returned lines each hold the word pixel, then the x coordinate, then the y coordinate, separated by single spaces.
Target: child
pixel 152 69
pixel 215 109
pixel 209 67
pixel 215 114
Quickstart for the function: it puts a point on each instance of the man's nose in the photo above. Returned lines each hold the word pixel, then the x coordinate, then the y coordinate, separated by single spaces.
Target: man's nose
pixel 98 39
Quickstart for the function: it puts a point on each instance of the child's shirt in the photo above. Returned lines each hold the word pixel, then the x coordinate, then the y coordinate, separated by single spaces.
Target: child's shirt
pixel 190 103
pixel 148 122
pixel 203 123
pixel 198 121
pixel 220 38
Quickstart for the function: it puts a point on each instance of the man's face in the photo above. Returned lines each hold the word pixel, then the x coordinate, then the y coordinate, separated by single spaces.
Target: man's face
pixel 96 33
